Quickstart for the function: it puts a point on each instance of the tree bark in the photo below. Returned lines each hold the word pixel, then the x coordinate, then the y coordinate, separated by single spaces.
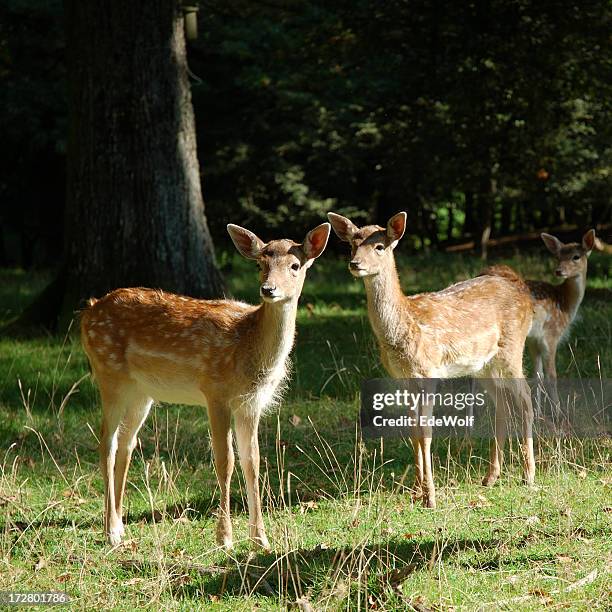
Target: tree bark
pixel 134 211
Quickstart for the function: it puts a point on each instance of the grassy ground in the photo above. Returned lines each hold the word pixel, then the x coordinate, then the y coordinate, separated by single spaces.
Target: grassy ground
pixel 339 515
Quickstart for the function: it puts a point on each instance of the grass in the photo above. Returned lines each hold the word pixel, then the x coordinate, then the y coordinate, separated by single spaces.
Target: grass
pixel 345 532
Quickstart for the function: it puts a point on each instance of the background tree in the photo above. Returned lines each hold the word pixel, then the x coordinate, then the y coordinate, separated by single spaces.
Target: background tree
pixel 134 209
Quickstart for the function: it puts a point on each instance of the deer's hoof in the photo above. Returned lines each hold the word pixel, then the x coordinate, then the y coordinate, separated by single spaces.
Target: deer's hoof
pixel 260 542
pixel 224 534
pixel 529 480
pixel 226 543
pixel 115 535
pixel 489 480
pixel 429 501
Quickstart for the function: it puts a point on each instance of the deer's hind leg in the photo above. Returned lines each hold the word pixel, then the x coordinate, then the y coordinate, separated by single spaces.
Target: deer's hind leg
pixel 129 427
pixel 417 487
pixel 498 394
pixel 522 395
pixel 121 401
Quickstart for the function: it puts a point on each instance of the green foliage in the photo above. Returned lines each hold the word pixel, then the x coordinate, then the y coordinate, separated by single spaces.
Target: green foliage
pixel 307 105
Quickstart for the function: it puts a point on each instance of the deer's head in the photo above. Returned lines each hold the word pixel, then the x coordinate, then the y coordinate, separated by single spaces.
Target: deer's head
pixel 282 263
pixel 571 257
pixel 371 246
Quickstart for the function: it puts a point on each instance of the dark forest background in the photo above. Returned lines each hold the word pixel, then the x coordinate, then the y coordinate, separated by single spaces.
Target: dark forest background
pixel 475 117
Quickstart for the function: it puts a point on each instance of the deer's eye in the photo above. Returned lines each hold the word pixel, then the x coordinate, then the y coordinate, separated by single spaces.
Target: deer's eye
pixel 295 267
pixel 576 257
pixel 380 247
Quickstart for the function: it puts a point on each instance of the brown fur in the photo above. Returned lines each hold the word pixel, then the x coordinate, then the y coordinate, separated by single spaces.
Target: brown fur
pixel 145 345
pixel 476 327
pixel 556 306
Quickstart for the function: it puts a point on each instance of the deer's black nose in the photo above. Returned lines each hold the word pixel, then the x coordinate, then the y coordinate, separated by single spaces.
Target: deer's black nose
pixel 355 264
pixel 268 290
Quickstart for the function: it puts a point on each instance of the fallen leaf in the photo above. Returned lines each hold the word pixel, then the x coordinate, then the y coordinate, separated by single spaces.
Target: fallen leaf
pixel 397 576
pixel 64 577
pixel 418 603
pixel 295 420
pixel 480 502
pixel 304 605
pixel 40 564
pixel 309 505
pixel 130 544
pixel 182 579
pixel 542 594
pixel 583 539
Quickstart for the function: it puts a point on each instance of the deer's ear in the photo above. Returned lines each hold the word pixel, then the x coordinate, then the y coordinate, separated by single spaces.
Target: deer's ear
pixel 588 241
pixel 552 243
pixel 316 241
pixel 247 243
pixel 345 229
pixel 396 227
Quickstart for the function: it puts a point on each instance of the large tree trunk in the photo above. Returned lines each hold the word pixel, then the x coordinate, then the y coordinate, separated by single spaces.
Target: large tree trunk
pixel 134 213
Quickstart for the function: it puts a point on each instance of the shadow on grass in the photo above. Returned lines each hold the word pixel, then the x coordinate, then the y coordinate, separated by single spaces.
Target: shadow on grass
pixel 383 565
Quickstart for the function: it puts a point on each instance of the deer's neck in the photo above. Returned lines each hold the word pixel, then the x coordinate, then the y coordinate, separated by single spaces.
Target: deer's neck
pixel 571 293
pixel 274 334
pixel 386 303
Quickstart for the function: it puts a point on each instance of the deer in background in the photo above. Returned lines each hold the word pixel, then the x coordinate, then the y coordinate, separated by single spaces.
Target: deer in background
pixel 147 345
pixel 475 327
pixel 556 305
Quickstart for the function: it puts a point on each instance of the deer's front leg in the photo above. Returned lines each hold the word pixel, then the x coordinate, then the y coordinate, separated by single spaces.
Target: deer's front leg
pixel 248 451
pixel 417 488
pixel 429 488
pixel 220 421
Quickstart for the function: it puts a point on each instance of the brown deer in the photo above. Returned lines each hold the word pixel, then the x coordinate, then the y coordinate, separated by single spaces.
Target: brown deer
pixel 475 327
pixel 556 306
pixel 147 345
